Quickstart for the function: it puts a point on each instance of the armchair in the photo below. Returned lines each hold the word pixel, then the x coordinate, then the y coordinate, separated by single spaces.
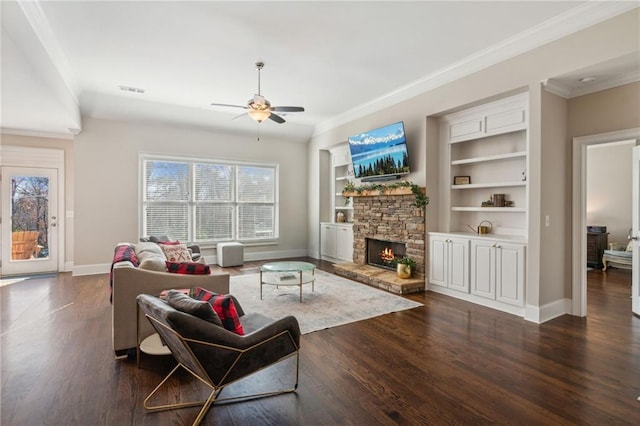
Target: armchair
pixel 216 356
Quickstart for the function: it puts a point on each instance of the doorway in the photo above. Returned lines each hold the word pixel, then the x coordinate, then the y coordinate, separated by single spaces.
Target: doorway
pixel 579 223
pixel 32 229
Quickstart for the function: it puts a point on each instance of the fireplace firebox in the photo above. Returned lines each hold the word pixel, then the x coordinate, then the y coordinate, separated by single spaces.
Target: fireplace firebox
pixel 381 253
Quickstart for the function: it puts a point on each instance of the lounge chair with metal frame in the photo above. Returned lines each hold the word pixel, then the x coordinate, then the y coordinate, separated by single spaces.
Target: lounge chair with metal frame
pixel 218 357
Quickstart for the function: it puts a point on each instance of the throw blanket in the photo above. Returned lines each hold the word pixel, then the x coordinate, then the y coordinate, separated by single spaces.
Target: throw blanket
pixel 123 252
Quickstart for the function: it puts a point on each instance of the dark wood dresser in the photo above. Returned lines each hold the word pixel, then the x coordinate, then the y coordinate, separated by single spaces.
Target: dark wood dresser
pixel 596 245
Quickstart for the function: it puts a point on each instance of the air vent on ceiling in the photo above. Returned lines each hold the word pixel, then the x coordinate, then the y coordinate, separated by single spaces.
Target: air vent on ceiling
pixel 131 89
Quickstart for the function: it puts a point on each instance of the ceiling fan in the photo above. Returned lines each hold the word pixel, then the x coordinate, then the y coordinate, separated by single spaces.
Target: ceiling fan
pixel 259 108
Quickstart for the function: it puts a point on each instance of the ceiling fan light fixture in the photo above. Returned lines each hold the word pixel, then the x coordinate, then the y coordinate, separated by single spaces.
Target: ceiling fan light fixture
pixel 259 114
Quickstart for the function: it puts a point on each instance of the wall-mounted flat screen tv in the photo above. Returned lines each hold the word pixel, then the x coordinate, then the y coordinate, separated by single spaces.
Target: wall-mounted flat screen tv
pixel 380 153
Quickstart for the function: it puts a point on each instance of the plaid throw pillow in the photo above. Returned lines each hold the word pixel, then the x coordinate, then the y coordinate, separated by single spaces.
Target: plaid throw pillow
pixel 223 305
pixel 188 268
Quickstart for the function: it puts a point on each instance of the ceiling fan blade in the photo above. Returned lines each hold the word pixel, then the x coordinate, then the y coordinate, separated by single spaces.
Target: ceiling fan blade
pixel 238 116
pixel 232 106
pixel 276 118
pixel 287 109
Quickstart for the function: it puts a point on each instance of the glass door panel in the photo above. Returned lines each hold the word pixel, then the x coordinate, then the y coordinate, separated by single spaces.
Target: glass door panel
pixel 29 220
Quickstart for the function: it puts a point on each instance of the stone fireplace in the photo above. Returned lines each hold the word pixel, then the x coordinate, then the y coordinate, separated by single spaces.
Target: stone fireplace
pixel 390 218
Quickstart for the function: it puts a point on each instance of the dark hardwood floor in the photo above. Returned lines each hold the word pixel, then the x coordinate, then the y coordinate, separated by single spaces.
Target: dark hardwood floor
pixel 448 362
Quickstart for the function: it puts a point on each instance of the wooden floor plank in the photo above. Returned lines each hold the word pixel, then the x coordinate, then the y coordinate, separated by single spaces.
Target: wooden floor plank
pixel 447 362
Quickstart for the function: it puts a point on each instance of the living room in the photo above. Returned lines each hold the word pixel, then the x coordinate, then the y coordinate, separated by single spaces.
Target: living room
pixel 102 162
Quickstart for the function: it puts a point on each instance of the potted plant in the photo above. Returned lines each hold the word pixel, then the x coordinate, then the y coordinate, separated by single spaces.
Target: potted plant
pixel 404 266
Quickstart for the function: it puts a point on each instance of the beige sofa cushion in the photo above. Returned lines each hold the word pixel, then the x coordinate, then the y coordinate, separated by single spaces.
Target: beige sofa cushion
pixel 151 257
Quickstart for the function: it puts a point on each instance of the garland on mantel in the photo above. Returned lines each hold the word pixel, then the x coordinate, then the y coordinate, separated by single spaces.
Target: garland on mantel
pixel 420 202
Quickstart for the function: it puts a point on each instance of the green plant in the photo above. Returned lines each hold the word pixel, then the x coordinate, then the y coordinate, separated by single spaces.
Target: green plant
pixel 405 260
pixel 421 199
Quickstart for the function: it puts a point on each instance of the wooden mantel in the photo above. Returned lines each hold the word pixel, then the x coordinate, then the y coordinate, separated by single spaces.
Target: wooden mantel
pixel 375 192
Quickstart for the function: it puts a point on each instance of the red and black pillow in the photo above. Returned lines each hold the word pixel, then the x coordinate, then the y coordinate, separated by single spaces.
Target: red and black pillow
pixel 188 268
pixel 224 306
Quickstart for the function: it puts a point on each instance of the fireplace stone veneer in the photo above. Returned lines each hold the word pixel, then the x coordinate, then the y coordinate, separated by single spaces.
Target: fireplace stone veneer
pixel 388 218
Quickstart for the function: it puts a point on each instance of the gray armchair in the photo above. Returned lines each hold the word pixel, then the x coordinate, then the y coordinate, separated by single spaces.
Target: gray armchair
pixel 216 356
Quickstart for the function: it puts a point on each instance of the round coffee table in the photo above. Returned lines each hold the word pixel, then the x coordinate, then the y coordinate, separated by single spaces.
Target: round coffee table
pixel 287 274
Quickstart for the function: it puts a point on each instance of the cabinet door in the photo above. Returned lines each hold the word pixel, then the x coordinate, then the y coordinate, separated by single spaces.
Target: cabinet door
pixel 328 240
pixel 483 269
pixel 466 129
pixel 510 273
pixel 458 272
pixel 438 260
pixel 344 243
pixel 505 121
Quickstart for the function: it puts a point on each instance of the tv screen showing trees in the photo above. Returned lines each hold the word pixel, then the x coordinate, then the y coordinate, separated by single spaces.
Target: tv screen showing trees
pixel 380 152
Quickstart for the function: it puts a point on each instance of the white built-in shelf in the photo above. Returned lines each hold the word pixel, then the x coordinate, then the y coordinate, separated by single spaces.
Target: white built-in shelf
pixel 490 185
pixel 519 154
pixel 490 209
pixel 344 208
pixel 342 177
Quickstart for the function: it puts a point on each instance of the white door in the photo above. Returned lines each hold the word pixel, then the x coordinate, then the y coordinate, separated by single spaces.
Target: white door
pixel 635 233
pixel 29 222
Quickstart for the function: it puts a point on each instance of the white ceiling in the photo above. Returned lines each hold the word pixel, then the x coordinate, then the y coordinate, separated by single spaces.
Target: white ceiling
pixel 337 59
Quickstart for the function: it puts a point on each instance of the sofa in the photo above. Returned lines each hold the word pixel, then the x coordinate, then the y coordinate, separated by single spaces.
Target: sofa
pixel 146 273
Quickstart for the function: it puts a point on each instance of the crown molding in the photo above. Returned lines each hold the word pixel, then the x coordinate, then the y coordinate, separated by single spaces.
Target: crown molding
pixel 574 20
pixel 557 88
pixel 38 21
pixel 596 87
pixel 38 134
pixel 567 92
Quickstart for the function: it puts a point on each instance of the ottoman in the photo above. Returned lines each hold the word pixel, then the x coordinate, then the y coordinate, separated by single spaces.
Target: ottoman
pixel 230 254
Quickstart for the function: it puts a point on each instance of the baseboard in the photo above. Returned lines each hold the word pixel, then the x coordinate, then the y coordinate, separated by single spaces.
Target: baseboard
pixel 103 268
pixel 540 314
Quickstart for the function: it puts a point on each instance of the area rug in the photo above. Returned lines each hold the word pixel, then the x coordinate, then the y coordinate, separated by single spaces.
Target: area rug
pixel 335 301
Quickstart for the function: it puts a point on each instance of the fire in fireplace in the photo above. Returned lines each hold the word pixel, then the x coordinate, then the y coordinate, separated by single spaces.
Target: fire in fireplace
pixel 381 253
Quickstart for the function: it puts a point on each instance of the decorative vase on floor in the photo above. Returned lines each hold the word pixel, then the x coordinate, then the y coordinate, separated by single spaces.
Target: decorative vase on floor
pixel 403 271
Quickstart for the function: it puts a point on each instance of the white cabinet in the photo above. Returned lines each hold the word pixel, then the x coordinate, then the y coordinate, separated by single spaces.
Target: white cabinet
pixel 503 116
pixel 497 271
pixel 344 243
pixel 449 265
pixel 487 144
pixel 328 242
pixel 480 269
pixel 336 241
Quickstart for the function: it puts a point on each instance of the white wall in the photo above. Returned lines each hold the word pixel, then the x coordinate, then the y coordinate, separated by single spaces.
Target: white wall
pixel 106 183
pixel 609 171
pixel 608 40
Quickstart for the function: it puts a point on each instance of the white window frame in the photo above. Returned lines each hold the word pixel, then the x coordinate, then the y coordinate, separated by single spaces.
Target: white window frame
pixel 192 203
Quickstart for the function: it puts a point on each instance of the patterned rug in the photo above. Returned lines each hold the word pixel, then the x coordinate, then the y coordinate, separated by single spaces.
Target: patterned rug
pixel 335 300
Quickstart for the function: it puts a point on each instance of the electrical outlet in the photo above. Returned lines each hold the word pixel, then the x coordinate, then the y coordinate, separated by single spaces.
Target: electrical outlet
pixel 547 221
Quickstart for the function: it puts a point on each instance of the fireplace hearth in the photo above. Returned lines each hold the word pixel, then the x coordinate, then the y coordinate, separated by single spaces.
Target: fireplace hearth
pixel 381 253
